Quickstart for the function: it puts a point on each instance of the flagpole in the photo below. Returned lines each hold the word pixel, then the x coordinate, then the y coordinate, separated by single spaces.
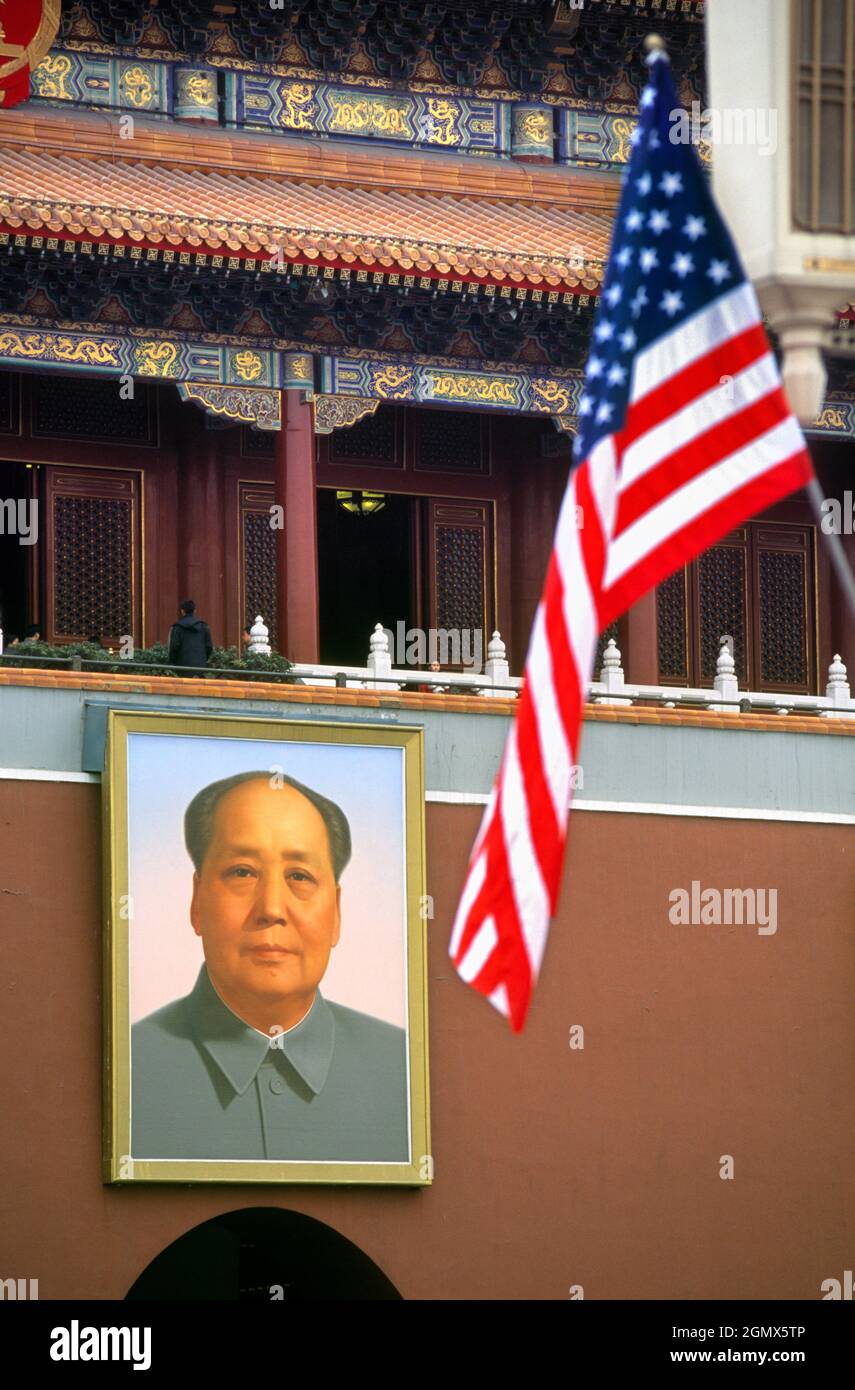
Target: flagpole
pixel 654 45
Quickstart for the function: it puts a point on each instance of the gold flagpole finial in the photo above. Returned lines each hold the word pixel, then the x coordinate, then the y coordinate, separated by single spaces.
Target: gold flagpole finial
pixel 653 44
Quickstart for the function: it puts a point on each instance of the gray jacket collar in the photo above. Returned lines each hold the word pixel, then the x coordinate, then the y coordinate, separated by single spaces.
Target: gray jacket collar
pixel 239 1050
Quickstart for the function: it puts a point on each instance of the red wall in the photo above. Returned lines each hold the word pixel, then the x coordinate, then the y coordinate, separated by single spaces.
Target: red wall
pixel 554 1167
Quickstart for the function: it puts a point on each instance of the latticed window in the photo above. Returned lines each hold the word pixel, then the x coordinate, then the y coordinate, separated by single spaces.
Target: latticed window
pixel 823 151
pixel 257 557
pixel 461 572
pixel 450 441
pixel 92 571
pixel 757 587
pixel 374 440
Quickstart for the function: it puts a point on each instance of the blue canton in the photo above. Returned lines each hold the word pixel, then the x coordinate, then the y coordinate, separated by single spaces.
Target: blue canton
pixel 671 256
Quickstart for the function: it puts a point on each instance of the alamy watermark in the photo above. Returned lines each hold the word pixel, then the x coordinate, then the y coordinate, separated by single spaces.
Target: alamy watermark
pixel 76 1343
pixel 838 515
pixel 418 646
pixel 19 516
pixel 715 907
pixel 839 1289
pixel 729 125
pixel 19 1289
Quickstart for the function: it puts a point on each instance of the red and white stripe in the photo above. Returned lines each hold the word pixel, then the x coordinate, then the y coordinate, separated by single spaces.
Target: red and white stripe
pixel 708 440
pixel 499 933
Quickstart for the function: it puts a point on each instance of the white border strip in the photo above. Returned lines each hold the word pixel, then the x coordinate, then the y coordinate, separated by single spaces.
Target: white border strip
pixel 659 808
pixel 35 774
pixel 634 808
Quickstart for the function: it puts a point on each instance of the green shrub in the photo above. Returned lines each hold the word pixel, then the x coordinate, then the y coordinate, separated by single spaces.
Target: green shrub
pixel 230 659
pixel 56 655
pixel 155 655
pixel 48 655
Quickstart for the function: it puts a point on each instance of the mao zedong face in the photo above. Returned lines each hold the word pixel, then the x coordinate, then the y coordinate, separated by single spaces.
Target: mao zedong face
pixel 266 903
pixel 268 856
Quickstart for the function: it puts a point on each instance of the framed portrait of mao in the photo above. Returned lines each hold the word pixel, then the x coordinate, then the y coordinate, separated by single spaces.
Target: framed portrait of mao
pixel 265 979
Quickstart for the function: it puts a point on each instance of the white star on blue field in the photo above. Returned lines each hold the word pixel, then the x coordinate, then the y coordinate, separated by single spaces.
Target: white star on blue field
pixel 671 257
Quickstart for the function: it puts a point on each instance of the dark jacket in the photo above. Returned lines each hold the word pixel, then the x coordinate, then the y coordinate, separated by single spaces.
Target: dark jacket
pixel 190 642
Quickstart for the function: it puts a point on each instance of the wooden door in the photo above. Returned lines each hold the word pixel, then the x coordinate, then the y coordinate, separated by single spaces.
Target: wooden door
pixel 93 546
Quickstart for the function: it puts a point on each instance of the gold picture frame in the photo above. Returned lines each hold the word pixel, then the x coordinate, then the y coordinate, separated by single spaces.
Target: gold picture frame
pixel 129 784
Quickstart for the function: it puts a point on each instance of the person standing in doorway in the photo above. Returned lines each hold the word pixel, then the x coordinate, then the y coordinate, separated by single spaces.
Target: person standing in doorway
pixel 190 643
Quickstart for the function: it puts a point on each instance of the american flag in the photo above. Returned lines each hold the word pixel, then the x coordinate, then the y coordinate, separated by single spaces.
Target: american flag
pixel 684 432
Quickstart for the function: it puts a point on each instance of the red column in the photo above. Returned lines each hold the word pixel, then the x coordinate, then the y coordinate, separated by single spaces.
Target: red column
pixel 537 486
pixel 638 641
pixel 297 544
pixel 200 526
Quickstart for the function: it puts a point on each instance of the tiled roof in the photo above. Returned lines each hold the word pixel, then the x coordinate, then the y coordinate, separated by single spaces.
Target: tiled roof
pixel 154 204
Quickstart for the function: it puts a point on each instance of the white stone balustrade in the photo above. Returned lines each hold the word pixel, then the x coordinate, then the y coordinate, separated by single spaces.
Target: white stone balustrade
pixel 726 683
pixel 379 660
pixel 496 670
pixel 837 692
pixel 612 676
pixel 259 638
pixel 610 689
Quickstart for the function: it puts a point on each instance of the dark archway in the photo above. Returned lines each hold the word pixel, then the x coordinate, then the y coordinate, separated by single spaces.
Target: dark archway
pixel 262 1255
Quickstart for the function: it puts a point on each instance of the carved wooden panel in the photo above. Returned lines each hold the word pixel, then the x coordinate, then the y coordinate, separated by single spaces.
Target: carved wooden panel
pixel 784 618
pixel 375 440
pixel 672 629
pixel 450 441
pixel 9 397
pixel 460 567
pixel 257 443
pixel 92 555
pixel 92 408
pixel 757 586
pixel 257 568
pixel 721 587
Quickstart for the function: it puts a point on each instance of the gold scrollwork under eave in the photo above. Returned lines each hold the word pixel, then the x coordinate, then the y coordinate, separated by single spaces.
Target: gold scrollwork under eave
pixel 535 126
pixel 248 365
pixel 137 85
pixel 830 418
pixel 339 412
pixel 550 396
pixel 49 78
pixel 199 88
pixel 459 386
pixel 245 405
pixel 60 347
pixel 623 129
pixel 299 367
pixel 156 358
pixel 444 116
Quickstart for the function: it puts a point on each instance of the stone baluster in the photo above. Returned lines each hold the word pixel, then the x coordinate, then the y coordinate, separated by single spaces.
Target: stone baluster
pixel 838 692
pixel 611 675
pixel 496 669
pixel 259 638
pixel 379 660
pixel 726 684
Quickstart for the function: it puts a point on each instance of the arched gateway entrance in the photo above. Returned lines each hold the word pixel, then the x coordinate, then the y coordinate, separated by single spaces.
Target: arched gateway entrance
pixel 261 1254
